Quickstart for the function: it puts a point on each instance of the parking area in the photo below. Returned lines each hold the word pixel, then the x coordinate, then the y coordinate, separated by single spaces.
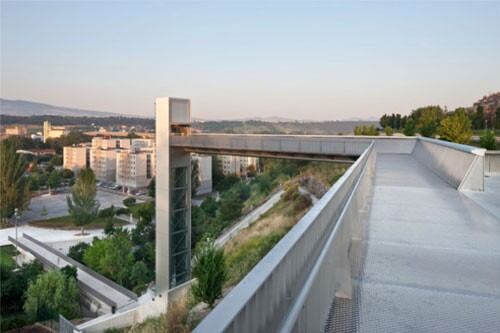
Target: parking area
pixel 49 206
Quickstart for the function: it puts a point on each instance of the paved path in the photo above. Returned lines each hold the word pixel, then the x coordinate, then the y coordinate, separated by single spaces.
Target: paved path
pixel 304 191
pixel 57 205
pixel 47 235
pixel 250 218
pixel 490 198
pixel 430 258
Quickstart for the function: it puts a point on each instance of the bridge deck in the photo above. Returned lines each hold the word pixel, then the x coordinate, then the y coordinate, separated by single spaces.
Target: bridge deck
pixel 430 258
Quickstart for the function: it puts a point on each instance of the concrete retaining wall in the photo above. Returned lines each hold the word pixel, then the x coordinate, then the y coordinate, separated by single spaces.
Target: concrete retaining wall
pixel 148 308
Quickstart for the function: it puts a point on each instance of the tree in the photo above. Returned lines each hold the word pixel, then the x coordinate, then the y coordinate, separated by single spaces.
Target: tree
pixel 195 176
pixel 152 188
pixel 56 160
pixel 409 127
pixel 140 273
pixel 76 251
pixel 388 131
pixel 82 205
pixel 217 174
pixel 13 285
pixel 209 206
pixel 14 186
pixel 230 207
pixel 456 127
pixel 478 120
pixel 67 174
pixel 70 271
pixel 52 293
pixel 54 180
pixel 209 269
pixel 428 119
pixel 112 257
pixel 251 171
pixel 487 140
pixel 132 135
pixel 497 118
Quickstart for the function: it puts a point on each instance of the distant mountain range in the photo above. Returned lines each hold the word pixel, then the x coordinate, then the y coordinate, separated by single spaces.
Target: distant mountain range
pixel 23 108
pixel 27 108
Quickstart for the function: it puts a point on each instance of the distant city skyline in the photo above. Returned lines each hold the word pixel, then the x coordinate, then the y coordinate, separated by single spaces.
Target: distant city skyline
pixel 301 60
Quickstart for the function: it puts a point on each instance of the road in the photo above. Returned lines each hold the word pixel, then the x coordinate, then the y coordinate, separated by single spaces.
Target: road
pixel 57 205
pixel 248 219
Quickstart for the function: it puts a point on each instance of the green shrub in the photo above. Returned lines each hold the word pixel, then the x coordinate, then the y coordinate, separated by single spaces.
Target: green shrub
pixel 122 211
pixel 243 258
pixel 76 251
pixel 129 201
pixel 388 131
pixel 107 212
pixel 487 140
pixel 209 269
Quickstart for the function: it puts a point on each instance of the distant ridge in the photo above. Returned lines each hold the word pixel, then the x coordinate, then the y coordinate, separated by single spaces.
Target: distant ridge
pixel 29 108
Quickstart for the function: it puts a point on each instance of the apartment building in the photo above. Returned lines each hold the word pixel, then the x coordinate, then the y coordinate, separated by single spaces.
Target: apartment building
pixel 53 132
pixel 135 167
pixel 103 157
pixel 16 130
pixel 76 157
pixel 204 173
pixel 237 165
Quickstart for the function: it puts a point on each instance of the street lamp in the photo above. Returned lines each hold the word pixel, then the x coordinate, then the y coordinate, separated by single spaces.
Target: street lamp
pixel 16 213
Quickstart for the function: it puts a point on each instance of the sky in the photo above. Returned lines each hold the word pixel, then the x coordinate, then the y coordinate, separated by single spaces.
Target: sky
pixel 299 60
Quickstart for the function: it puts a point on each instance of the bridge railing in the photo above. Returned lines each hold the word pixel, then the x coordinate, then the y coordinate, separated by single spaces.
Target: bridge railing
pixel 321 145
pixel 281 292
pixel 459 165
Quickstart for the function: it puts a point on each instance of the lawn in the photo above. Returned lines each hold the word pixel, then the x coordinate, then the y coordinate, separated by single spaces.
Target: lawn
pixel 7 253
pixel 66 223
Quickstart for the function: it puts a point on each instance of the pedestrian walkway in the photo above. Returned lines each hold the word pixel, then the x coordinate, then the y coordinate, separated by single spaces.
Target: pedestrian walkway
pixel 429 260
pixel 248 219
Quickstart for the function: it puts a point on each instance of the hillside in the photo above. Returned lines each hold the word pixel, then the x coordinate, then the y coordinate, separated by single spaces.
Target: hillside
pixel 28 108
pixel 289 127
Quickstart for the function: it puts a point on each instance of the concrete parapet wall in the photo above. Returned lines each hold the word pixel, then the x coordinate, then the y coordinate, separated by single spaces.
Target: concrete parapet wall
pixel 262 300
pixel 492 162
pixel 460 166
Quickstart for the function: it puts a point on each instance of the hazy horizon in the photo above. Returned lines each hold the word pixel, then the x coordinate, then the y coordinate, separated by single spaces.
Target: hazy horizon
pixel 319 61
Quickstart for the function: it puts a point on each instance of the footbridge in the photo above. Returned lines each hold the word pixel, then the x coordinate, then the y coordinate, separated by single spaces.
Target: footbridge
pixel 397 244
pixel 407 240
pixel 101 295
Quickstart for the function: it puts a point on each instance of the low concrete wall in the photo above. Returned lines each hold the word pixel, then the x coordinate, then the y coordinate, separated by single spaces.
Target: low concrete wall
pixel 460 166
pixel 154 307
pixel 492 161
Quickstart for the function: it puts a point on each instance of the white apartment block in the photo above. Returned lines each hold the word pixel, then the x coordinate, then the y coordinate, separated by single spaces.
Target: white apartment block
pixel 135 167
pixel 237 165
pixel 76 157
pixel 204 173
pixel 103 157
